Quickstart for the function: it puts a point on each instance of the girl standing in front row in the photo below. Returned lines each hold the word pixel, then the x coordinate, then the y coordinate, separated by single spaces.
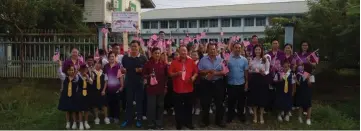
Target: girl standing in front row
pixel 284 83
pixel 99 97
pixel 84 83
pixel 303 94
pixel 67 101
pixel 258 85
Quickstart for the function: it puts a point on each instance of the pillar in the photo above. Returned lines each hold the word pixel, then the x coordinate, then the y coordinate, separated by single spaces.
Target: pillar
pixel 289 29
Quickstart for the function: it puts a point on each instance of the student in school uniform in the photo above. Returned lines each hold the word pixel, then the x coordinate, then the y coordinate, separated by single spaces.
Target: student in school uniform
pixel 284 83
pixel 184 72
pixel 303 95
pixel 83 98
pixel 100 80
pixel 103 57
pixel 155 77
pixel 114 87
pixel 133 64
pixel 67 101
pixel 290 57
pixel 258 83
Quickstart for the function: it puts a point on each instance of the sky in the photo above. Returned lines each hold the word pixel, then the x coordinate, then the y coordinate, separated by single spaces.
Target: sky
pixel 161 4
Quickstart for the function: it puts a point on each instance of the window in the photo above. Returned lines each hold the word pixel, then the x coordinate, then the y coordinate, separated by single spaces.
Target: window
pixel 146 25
pixel 192 24
pixel 248 22
pixel 172 24
pixel 213 23
pixel 154 25
pixel 213 40
pixel 226 22
pixel 261 21
pixel 183 24
pixel 203 23
pixel 163 24
pixel 204 40
pixel 236 22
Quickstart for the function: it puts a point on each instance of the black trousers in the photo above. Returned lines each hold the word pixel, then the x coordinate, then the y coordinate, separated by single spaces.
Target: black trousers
pixel 113 105
pixel 183 108
pixel 236 96
pixel 212 90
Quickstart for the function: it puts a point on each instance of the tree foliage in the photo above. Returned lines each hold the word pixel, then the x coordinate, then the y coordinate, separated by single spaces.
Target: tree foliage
pixel 331 26
pixel 41 14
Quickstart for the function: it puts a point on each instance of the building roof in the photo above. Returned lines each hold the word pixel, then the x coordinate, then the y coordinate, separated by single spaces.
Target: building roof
pixel 276 8
pixel 147 4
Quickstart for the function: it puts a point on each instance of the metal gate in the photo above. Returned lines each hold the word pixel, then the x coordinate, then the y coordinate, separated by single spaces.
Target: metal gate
pixel 38 49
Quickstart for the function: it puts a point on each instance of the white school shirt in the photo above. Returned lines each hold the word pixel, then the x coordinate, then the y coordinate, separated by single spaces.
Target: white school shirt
pixel 287 75
pixel 257 64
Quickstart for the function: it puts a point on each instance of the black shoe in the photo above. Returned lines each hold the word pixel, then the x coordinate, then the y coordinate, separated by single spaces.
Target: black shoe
pixel 204 125
pixel 160 127
pixel 229 120
pixel 190 127
pixel 221 125
pixel 151 127
pixel 179 127
pixel 242 119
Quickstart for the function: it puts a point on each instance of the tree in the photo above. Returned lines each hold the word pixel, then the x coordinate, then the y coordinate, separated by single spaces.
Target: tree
pixel 330 25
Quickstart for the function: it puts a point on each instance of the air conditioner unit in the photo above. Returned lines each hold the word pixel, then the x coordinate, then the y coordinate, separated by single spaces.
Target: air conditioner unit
pixel 115 4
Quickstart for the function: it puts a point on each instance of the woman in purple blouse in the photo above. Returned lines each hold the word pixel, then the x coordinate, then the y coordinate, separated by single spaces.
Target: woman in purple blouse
pixel 74 59
pixel 115 85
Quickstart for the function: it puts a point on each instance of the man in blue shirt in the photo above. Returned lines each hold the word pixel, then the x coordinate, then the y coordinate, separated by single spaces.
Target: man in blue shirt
pixel 210 68
pixel 237 83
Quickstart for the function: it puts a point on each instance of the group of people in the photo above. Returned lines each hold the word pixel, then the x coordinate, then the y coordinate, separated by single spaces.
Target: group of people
pixel 231 79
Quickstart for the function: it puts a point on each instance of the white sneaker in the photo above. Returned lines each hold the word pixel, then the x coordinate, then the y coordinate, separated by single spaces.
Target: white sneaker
pixel 134 103
pixel 165 112
pixel 198 111
pixel 210 111
pixel 300 119
pixel 308 122
pixel 116 121
pixel 67 125
pixel 106 120
pixel 74 127
pixel 192 110
pixel 304 113
pixel 86 125
pixel 287 118
pixel 290 113
pixel 280 118
pixel 96 121
pixel 144 118
pixel 244 110
pixel 81 126
pixel 173 113
pixel 235 110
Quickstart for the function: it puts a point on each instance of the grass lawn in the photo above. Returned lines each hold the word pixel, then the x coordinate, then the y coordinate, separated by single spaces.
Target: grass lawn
pixel 32 104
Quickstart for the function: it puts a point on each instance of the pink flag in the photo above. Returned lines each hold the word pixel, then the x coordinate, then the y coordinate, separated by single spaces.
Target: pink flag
pixel 237 38
pixel 154 37
pixel 313 54
pixel 305 74
pixel 119 73
pixel 198 37
pixel 153 81
pixel 246 43
pixel 183 75
pixel 233 38
pixel 181 42
pixel 56 57
pixel 225 68
pixel 203 34
pixel 104 31
pixel 81 59
pixel 222 33
pixel 226 56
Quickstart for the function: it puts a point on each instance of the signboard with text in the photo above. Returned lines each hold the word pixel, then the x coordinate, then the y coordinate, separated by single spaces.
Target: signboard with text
pixel 125 21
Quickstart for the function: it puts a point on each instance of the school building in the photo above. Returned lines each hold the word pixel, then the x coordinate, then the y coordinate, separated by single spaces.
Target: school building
pixel 243 20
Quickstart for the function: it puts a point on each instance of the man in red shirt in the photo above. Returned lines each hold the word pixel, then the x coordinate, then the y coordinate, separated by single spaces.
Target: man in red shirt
pixel 184 72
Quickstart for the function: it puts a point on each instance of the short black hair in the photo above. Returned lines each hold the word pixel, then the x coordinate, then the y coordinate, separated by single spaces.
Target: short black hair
pixel 274 40
pixel 160 32
pixel 115 45
pixel 155 49
pixel 135 41
pixel 89 57
pixel 101 52
pixel 254 36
